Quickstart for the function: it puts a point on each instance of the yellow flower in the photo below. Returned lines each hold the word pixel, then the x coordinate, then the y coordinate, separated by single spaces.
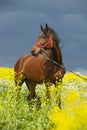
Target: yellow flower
pixel 1 107
pixel 62 121
pixel 6 73
pixel 69 77
pixel 73 96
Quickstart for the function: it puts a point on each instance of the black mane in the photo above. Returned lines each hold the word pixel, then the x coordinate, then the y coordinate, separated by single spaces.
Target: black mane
pixel 55 35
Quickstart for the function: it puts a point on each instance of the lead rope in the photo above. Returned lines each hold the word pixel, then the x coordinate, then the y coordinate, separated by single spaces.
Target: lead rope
pixel 58 64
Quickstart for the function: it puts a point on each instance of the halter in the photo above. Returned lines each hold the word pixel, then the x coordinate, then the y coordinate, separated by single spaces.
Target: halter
pixel 49 44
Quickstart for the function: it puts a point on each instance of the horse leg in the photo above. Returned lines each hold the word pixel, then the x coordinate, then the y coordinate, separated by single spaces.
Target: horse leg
pixel 59 98
pixel 31 87
pixel 18 83
pixel 48 91
pixel 58 84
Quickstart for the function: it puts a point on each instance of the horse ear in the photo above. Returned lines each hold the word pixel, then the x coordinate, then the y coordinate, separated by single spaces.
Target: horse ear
pixel 41 27
pixel 46 26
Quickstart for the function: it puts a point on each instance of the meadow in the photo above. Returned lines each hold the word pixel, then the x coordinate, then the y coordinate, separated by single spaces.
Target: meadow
pixel 21 115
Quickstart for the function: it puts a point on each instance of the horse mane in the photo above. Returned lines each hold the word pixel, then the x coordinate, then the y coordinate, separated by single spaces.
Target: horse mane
pixel 55 35
pixel 56 40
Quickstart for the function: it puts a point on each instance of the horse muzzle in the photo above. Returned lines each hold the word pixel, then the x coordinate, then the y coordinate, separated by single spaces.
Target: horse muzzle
pixel 35 54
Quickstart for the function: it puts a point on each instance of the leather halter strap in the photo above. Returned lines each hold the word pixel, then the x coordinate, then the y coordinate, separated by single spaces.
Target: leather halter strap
pixel 48 44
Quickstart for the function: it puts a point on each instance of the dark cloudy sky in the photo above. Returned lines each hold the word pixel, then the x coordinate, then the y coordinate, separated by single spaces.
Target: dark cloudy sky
pixel 19 28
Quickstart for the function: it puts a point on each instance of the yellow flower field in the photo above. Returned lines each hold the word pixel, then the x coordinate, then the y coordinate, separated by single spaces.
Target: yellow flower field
pixel 41 114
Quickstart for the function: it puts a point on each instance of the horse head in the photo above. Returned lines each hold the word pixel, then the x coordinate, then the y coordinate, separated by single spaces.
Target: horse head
pixel 44 41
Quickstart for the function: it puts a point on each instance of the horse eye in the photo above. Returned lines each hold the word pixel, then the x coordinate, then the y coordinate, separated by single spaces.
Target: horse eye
pixel 44 37
pixel 42 44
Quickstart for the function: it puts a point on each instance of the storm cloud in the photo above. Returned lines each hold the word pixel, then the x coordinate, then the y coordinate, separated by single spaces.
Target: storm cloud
pixel 20 26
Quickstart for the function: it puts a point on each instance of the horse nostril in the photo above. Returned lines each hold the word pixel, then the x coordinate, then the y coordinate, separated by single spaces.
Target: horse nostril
pixel 33 53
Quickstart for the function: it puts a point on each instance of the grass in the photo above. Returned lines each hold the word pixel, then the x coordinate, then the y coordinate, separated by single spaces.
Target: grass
pixel 19 115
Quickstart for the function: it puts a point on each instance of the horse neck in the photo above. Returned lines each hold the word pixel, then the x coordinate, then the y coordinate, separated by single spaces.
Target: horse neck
pixel 57 54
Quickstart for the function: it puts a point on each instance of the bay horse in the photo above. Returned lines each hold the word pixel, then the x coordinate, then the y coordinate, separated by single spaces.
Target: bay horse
pixel 35 68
